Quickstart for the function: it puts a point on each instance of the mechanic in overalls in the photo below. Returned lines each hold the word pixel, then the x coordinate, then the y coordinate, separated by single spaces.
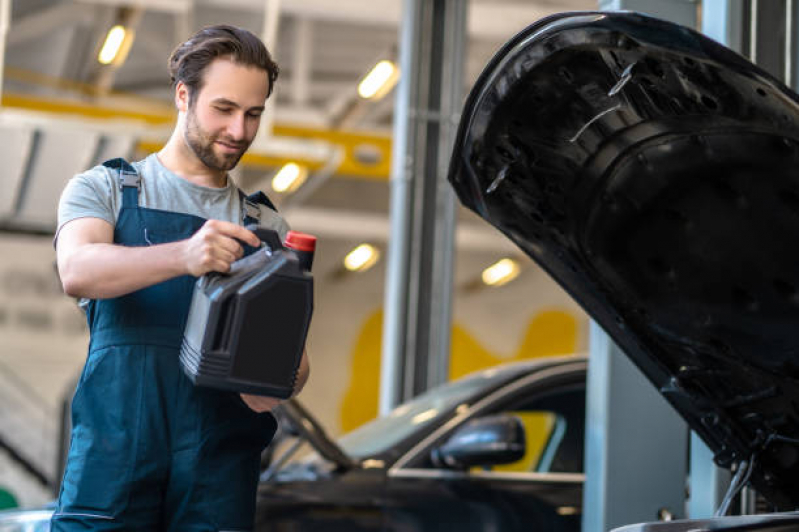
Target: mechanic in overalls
pixel 149 451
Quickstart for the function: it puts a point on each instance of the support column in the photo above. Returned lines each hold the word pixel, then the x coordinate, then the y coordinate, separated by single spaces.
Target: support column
pixel 418 300
pixel 271 24
pixel 707 484
pixel 722 20
pixel 636 443
pixel 5 23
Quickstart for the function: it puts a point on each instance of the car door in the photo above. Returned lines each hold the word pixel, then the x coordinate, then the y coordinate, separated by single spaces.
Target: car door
pixel 541 491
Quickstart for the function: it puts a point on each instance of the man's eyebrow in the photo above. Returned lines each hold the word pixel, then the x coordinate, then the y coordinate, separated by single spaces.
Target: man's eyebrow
pixel 225 101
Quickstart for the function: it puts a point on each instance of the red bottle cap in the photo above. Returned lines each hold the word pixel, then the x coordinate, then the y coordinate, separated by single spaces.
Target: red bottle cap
pixel 300 241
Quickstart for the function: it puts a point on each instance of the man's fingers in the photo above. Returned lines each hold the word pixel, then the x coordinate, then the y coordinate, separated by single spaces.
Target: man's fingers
pixel 236 231
pixel 260 404
pixel 229 245
pixel 221 266
pixel 228 257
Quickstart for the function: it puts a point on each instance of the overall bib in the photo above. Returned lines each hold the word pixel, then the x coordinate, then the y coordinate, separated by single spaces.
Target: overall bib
pixel 149 451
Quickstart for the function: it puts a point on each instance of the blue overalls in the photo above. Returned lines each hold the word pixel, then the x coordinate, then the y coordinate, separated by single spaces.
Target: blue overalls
pixel 149 451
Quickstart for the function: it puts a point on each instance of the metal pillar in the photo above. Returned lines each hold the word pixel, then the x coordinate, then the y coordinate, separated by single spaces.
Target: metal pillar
pixel 5 22
pixel 418 298
pixel 269 31
pixel 707 483
pixel 679 11
pixel 766 38
pixel 636 444
pixel 722 20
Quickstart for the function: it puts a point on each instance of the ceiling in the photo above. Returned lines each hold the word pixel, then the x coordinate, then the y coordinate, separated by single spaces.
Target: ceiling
pixel 62 112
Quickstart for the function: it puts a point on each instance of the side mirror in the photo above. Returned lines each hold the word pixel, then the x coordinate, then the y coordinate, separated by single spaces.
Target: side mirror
pixel 490 440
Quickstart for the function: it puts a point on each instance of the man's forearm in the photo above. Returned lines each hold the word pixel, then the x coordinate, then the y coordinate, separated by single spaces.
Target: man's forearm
pixel 101 271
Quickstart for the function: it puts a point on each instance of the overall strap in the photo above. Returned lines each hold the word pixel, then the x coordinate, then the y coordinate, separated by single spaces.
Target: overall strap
pixel 250 213
pixel 129 180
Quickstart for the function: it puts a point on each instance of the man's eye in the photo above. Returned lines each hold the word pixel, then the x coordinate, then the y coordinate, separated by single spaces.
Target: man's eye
pixel 254 115
pixel 225 110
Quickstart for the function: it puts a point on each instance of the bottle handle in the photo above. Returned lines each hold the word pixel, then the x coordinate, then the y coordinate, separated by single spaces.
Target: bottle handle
pixel 267 236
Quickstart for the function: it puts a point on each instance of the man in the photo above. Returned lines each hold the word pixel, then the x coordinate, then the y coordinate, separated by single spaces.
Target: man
pixel 150 451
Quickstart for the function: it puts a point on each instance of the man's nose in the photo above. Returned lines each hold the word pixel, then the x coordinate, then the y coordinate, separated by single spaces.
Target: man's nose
pixel 236 127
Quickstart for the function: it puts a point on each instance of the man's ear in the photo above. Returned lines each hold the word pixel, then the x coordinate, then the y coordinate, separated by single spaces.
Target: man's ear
pixel 182 97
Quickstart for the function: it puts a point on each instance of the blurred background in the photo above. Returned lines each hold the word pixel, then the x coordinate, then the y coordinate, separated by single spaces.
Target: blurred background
pixel 86 80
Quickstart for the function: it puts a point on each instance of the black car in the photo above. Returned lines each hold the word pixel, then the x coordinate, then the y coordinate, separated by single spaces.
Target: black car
pixel 501 449
pixel 655 175
pixel 434 463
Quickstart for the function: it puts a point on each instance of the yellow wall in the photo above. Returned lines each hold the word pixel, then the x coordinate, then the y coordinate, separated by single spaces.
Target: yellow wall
pixel 550 332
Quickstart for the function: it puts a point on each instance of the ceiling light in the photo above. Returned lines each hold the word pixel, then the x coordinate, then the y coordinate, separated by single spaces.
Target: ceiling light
pixel 500 273
pixel 112 45
pixel 361 258
pixel 379 80
pixel 289 178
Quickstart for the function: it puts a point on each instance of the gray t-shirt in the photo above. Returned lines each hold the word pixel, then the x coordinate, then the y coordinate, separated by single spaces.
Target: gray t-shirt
pixel 96 194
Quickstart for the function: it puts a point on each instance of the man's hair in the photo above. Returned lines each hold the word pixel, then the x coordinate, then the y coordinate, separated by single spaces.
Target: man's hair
pixel 189 60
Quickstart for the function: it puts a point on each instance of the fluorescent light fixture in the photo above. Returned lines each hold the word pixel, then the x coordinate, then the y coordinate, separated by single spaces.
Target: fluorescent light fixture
pixel 379 80
pixel 501 272
pixel 361 258
pixel 289 178
pixel 112 45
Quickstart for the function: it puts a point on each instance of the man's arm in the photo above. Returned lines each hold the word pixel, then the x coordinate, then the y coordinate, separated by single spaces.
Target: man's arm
pixel 91 265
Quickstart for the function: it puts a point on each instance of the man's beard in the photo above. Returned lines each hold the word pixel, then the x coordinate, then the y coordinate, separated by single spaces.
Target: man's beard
pixel 202 144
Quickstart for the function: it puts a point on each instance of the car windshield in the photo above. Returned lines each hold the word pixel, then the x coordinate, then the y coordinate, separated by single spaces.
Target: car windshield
pixel 384 432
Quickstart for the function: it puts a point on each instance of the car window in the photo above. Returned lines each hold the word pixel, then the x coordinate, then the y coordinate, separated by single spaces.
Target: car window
pixel 383 433
pixel 554 427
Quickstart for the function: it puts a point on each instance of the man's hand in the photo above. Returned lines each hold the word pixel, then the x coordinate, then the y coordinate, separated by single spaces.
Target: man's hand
pixel 259 403
pixel 214 247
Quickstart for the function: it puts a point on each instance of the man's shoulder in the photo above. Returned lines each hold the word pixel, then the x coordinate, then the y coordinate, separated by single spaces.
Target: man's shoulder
pixel 108 171
pixel 260 199
pixel 112 167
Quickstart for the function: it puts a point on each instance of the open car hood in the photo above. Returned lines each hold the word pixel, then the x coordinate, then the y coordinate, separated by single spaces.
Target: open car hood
pixel 655 175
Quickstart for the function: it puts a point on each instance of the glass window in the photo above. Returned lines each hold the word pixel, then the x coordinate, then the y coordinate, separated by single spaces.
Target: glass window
pixel 385 432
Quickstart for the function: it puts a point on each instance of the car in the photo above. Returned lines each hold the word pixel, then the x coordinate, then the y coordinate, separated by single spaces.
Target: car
pixel 500 449
pixel 653 173
pixel 434 463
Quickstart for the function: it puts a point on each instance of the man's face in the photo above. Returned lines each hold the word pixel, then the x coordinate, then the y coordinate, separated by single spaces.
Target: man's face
pixel 222 118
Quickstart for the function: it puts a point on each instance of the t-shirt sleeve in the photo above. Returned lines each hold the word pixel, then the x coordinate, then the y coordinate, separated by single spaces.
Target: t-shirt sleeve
pixel 88 195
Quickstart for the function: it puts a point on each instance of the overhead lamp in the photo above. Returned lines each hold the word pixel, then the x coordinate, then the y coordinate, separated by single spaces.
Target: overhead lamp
pixel 501 272
pixel 116 45
pixel 289 178
pixel 361 258
pixel 379 80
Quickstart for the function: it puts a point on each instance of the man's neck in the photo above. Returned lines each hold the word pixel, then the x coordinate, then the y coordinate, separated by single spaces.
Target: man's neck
pixel 177 157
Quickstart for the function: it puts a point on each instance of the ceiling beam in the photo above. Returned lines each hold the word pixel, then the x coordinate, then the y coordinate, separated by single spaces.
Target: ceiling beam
pixel 47 20
pixel 495 20
pixel 302 61
pixel 168 6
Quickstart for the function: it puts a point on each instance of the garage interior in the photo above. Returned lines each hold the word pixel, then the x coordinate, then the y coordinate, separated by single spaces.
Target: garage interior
pixel 421 308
